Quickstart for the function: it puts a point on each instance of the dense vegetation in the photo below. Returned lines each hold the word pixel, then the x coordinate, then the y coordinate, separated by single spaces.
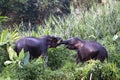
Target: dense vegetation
pixel 100 23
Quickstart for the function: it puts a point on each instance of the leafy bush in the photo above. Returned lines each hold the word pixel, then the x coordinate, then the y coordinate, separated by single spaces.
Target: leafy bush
pixel 57 57
pixel 3 57
pixel 20 67
pixel 30 71
pixel 6 38
pixel 95 70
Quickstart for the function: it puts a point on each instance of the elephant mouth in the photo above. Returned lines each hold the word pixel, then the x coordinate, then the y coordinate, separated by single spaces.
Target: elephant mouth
pixel 71 48
pixel 60 42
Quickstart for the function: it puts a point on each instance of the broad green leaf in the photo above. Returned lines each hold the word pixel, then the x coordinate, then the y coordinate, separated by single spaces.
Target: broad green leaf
pixel 7 62
pixel 3 43
pixel 3 19
pixel 14 36
pixel 26 59
pixel 21 55
pixel 3 35
pixel 12 53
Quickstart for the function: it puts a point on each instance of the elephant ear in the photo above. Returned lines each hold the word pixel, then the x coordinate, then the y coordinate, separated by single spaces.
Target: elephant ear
pixel 49 38
pixel 53 39
pixel 79 45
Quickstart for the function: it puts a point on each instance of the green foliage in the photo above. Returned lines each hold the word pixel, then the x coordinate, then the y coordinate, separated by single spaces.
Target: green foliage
pixel 12 54
pixel 112 70
pixel 57 57
pixel 8 37
pixel 20 65
pixel 100 23
pixel 3 57
pixel 30 71
pixel 5 38
pixel 3 19
pixel 23 58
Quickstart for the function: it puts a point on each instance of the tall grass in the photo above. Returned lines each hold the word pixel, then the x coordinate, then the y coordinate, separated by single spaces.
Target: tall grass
pixel 97 23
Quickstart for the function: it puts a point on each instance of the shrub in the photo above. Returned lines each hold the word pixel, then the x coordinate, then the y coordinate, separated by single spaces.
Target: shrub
pixel 3 57
pixel 19 71
pixel 96 70
pixel 57 57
